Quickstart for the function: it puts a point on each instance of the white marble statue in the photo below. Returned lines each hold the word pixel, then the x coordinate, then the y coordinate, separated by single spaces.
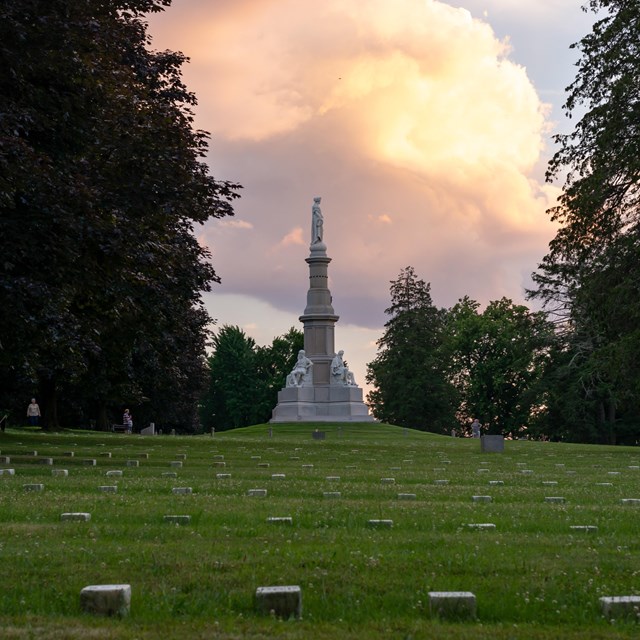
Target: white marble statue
pixel 301 371
pixel 316 221
pixel 340 372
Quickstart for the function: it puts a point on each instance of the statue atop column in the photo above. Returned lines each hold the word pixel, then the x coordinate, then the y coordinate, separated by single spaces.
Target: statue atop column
pixel 316 221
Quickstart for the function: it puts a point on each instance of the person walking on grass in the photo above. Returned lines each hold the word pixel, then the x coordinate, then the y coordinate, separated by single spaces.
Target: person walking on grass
pixel 127 421
pixel 33 413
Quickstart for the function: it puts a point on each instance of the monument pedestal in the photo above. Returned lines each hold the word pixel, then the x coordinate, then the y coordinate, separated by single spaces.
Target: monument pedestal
pixel 321 404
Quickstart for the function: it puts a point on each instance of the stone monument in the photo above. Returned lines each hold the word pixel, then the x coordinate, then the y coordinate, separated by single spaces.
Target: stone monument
pixel 320 387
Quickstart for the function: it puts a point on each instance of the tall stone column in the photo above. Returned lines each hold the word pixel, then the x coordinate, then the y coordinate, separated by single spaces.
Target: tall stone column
pixel 319 318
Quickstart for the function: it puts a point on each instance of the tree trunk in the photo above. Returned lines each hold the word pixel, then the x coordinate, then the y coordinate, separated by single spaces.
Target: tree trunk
pixel 102 423
pixel 49 395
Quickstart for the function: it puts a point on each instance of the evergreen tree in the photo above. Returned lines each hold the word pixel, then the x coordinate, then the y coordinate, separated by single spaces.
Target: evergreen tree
pixel 411 389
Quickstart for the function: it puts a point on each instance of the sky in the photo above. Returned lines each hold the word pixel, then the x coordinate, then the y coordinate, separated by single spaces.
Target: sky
pixel 425 126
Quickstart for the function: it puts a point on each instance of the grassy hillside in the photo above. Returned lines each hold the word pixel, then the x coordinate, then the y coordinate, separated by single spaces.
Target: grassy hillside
pixel 533 576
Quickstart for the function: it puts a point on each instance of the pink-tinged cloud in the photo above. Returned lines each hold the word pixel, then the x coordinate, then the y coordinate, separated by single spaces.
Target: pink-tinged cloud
pixel 409 118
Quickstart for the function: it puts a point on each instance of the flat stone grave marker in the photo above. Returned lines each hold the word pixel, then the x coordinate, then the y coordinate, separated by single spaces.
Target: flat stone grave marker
pixel 280 520
pixel 45 461
pixel 407 496
pixel 332 478
pixel 218 456
pixel 105 454
pixel 257 493
pixel 5 460
pixel 452 604
pixel 178 519
pixel 331 494
pixel 307 466
pixel 483 470
pixel 283 601
pixel 7 472
pixel 176 463
pixel 387 480
pixel 380 524
pixel 223 476
pixel 75 517
pixel 481 498
pixel 108 488
pixel 482 526
pixel 115 473
pixel 549 483
pixel 68 454
pixel 620 606
pixel 630 501
pixel 182 490
pixel 496 483
pixel 33 487
pixel 133 463
pixel 219 463
pixel 263 464
pixel 169 474
pixel 604 484
pixel 106 599
pixel 278 476
pixel 60 472
pixel 256 457
pixel 526 471
pixel 588 528
pixel 554 499
pixel 441 482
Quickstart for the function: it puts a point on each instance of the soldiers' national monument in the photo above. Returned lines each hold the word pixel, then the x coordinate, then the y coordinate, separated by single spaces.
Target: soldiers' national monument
pixel 320 387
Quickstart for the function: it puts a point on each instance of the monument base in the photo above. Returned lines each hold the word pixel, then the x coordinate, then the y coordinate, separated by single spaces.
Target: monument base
pixel 330 403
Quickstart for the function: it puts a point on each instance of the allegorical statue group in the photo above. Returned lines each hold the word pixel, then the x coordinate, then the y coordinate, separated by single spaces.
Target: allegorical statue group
pixel 301 373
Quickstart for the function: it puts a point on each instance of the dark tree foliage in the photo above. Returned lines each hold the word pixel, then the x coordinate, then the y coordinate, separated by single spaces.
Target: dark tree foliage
pixel 245 378
pixel 495 359
pixel 411 389
pixel 101 183
pixel 590 277
pixel 274 363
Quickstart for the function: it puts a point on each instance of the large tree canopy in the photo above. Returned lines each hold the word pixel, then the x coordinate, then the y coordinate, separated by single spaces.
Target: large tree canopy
pixel 495 359
pixel 590 279
pixel 101 182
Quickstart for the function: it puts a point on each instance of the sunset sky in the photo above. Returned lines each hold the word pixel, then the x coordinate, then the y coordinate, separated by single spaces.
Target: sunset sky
pixel 425 125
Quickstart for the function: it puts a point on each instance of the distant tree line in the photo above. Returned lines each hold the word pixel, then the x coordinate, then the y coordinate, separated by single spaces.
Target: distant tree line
pixel 244 378
pixel 437 369
pixel 102 179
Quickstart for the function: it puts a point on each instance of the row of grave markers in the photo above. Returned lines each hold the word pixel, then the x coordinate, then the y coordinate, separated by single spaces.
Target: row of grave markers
pixel 286 602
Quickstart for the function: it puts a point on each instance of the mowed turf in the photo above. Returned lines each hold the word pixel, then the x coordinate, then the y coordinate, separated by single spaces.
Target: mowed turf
pixel 533 575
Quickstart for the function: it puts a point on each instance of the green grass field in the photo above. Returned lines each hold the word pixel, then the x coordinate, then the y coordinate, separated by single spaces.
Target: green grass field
pixel 533 576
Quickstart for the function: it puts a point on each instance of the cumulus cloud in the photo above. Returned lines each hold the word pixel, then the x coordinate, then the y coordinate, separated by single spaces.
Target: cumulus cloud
pixel 409 118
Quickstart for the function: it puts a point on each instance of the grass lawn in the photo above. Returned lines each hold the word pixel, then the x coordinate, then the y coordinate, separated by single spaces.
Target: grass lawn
pixel 533 575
